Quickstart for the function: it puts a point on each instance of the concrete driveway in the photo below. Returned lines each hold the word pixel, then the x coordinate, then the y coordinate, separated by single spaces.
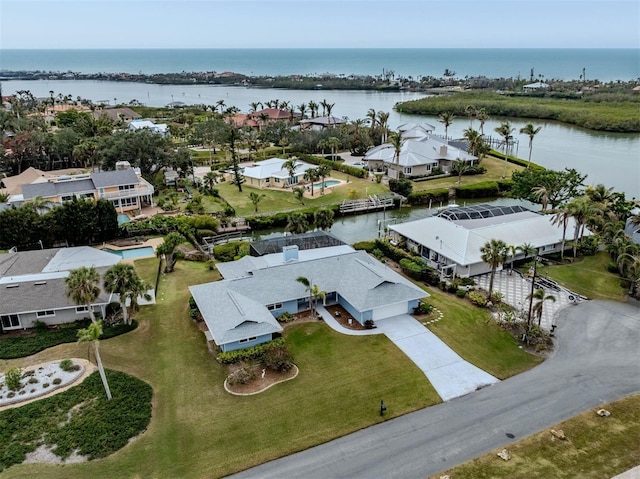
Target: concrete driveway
pixel 449 374
pixel 597 360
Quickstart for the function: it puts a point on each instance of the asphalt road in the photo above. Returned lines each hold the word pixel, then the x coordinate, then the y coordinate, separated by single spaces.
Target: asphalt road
pixel 597 360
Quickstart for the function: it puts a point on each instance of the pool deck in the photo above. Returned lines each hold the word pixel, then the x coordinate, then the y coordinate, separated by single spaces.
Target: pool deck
pixel 152 242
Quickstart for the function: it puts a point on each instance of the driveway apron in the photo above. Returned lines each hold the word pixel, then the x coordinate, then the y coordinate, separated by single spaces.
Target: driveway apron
pixel 450 375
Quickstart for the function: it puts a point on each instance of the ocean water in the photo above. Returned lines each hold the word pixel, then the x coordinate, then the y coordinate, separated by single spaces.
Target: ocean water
pixel 602 64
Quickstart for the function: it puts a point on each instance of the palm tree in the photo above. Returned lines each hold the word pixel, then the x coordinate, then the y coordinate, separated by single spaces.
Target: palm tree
pixel 291 165
pixel 313 108
pixel 505 130
pixel 474 139
pixel 302 107
pixel 531 131
pixel 92 334
pixel 297 223
pixel 460 167
pixel 255 199
pixel 482 117
pixel 168 250
pixel 329 110
pixel 311 175
pixel 221 104
pixel 323 218
pixel 529 250
pixel 396 141
pixel 254 106
pixel 314 292
pixel 512 250
pixel 334 143
pixel 123 280
pixel 323 171
pixel 542 195
pixel 471 112
pixel 446 118
pixel 561 217
pixel 371 115
pixel 210 179
pixel 541 296
pixel 383 123
pixel 83 287
pixel 298 192
pixel 581 210
pixel 494 253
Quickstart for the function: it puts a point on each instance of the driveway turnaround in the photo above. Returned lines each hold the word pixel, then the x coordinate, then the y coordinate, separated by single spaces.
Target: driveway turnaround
pixel 597 360
pixel 449 374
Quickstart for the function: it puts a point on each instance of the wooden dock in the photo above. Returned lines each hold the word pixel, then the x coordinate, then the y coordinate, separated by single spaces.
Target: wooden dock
pixel 372 203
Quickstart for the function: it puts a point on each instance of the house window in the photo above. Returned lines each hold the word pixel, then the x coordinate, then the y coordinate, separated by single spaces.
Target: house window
pixel 44 314
pixel 10 321
pixel 276 180
pixel 67 198
pixel 126 187
pixel 407 170
pixel 81 309
pixel 274 306
pixel 246 340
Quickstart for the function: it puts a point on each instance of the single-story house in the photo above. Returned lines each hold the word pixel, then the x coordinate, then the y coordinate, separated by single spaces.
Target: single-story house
pixel 536 86
pixel 33 288
pixel 267 115
pixel 160 128
pixel 418 157
pixel 271 173
pixel 451 240
pixel 320 122
pixel 117 114
pixel 415 130
pixel 125 188
pixel 241 310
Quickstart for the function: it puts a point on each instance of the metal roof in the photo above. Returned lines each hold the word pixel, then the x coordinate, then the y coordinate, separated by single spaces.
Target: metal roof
pixel 483 210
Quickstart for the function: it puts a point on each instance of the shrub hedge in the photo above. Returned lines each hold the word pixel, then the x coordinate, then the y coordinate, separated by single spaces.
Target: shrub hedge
pixel 424 197
pixel 248 354
pixel 348 169
pixel 20 347
pixel 483 189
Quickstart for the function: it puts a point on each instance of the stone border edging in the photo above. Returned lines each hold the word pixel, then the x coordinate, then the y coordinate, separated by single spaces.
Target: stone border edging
pixel 226 388
pixel 438 318
pixel 86 368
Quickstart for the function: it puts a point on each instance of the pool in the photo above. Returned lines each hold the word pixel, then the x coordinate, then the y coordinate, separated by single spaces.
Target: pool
pixel 123 219
pixel 132 252
pixel 327 183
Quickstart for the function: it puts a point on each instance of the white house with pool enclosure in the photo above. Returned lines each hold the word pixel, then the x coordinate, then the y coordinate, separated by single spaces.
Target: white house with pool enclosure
pixel 241 310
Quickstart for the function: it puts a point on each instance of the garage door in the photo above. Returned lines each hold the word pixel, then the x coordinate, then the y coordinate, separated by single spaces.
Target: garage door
pixel 389 311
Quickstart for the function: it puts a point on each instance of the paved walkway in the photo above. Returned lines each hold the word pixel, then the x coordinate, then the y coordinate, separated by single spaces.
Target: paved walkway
pixel 516 290
pixel 450 375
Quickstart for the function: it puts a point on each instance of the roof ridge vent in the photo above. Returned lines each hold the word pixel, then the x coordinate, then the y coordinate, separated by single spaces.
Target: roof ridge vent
pixel 235 302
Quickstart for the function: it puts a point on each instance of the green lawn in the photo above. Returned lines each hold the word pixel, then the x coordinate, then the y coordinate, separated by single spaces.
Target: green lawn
pixel 284 200
pixel 198 430
pixel 595 448
pixel 589 277
pixel 471 332
pixel 494 166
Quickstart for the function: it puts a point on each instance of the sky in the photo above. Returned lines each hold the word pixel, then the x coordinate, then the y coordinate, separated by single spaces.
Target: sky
pixel 44 24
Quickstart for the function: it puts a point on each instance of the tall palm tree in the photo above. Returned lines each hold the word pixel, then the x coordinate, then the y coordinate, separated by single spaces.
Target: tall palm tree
pixel 323 171
pixel 446 118
pixel 221 104
pixel 311 175
pixel 329 111
pixel 460 167
pixel 473 139
pixel 82 287
pixel 371 115
pixel 582 210
pixel 542 195
pixel 92 334
pixel 531 131
pixel 561 217
pixel 334 143
pixel 482 117
pixel 123 280
pixel 255 199
pixel 313 108
pixel 471 113
pixel 494 253
pixel 505 130
pixel 530 251
pixel 541 296
pixel 314 292
pixel 254 106
pixel 383 123
pixel 302 107
pixel 396 141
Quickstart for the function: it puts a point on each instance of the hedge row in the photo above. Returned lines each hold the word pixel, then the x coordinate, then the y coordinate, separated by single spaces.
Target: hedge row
pixel 281 219
pixel 426 196
pixel 20 347
pixel 249 354
pixel 348 169
pixel 483 189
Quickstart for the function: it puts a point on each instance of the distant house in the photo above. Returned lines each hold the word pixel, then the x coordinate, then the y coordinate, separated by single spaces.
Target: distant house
pixel 242 119
pixel 268 115
pixel 271 173
pixel 117 114
pixel 451 240
pixel 535 86
pixel 320 123
pixel 418 157
pixel 160 128
pixel 241 310
pixel 414 131
pixel 32 286
pixel 125 188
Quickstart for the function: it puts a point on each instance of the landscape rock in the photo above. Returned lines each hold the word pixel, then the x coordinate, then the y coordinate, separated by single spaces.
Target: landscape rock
pixel 559 434
pixel 603 413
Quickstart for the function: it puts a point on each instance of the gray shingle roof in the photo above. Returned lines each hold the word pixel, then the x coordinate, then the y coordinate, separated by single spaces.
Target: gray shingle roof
pixel 105 179
pixel 49 189
pixel 360 279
